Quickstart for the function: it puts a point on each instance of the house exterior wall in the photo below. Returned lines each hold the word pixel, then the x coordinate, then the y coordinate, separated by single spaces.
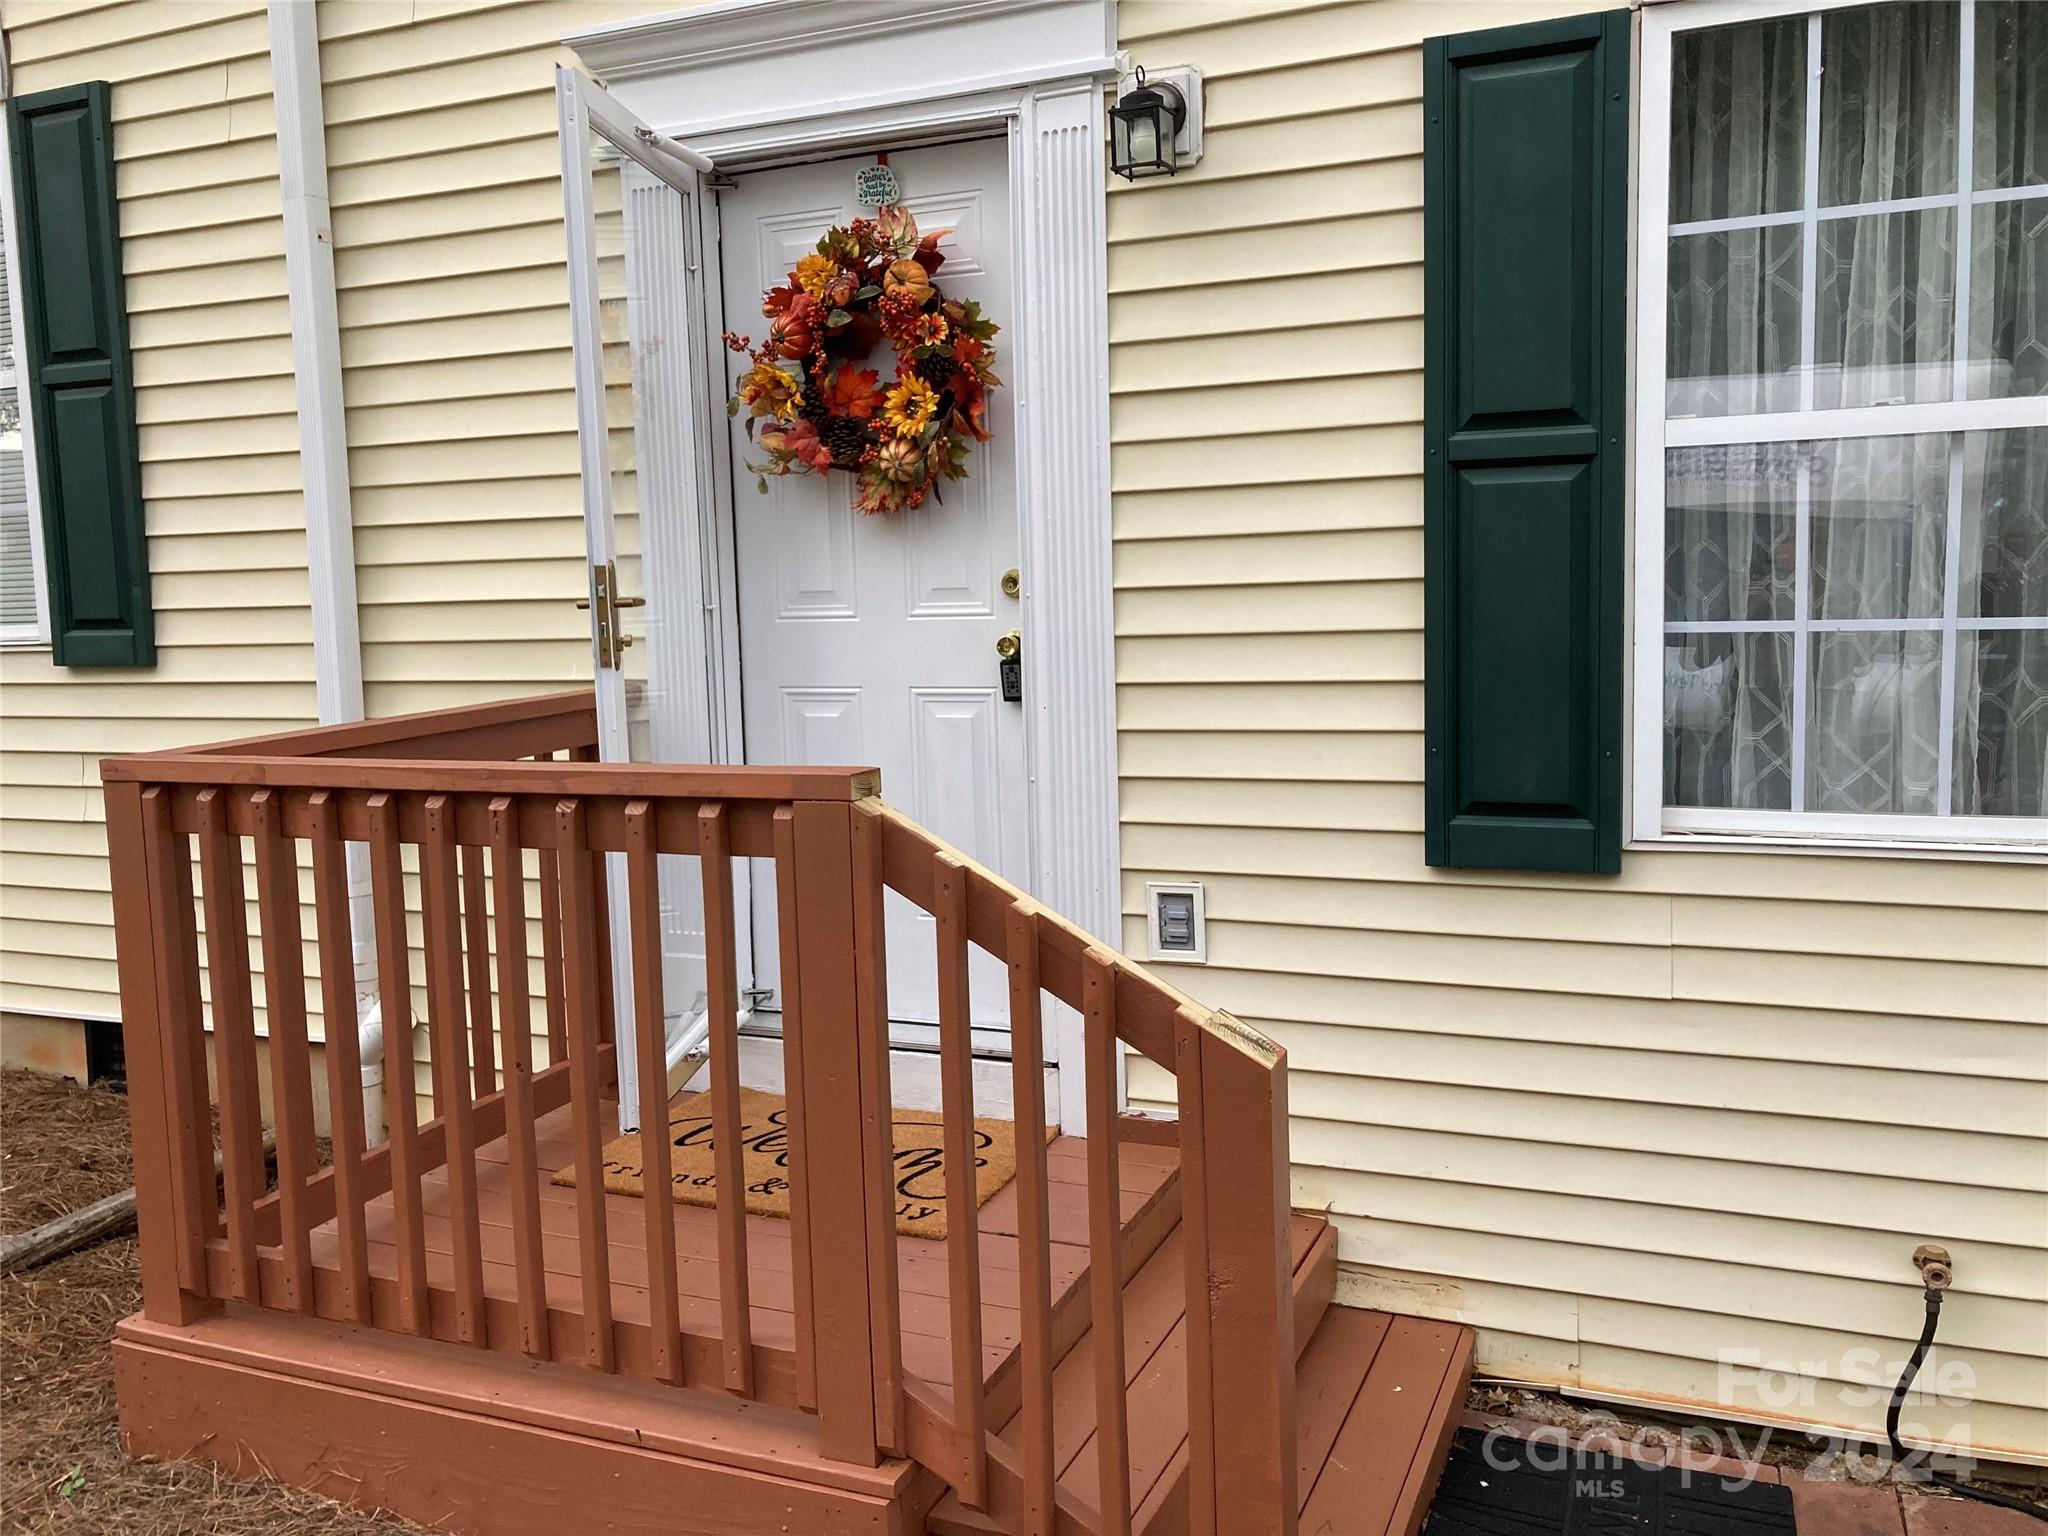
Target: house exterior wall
pixel 1622 1125
pixel 203 258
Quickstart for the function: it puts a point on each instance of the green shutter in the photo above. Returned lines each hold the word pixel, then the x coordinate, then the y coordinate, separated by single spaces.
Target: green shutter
pixel 78 381
pixel 1525 275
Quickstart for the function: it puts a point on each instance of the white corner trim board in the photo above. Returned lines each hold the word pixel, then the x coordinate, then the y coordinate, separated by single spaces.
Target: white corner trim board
pixel 1035 72
pixel 323 461
pixel 316 359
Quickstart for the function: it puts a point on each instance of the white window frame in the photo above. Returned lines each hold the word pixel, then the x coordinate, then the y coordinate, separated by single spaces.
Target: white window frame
pixel 1651 821
pixel 35 636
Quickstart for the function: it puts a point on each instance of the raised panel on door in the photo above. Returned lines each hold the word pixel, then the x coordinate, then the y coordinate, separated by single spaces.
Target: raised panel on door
pixel 873 639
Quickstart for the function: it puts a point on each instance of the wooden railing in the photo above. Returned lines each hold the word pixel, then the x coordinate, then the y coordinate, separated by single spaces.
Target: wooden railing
pixel 492 818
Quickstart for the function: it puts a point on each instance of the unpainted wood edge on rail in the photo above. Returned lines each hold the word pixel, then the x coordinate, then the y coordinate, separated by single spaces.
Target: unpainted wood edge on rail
pixel 1231 1030
pixel 314 740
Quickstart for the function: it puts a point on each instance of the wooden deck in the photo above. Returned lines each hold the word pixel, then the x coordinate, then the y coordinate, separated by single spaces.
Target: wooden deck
pixel 1150 1208
pixel 1119 1341
pixel 450 1435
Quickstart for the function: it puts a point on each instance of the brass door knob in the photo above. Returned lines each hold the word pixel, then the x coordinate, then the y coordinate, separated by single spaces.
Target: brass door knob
pixel 1009 645
pixel 1013 582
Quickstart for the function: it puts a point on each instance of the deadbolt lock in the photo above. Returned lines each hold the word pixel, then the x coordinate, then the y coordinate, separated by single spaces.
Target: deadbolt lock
pixel 1013 583
pixel 1009 645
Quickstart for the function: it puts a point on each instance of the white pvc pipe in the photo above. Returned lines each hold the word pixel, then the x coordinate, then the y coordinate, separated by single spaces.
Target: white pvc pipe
pixel 362 925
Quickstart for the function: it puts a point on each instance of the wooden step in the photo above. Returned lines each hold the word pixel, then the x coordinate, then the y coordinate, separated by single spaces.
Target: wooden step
pixel 1377 1399
pixel 1155 1373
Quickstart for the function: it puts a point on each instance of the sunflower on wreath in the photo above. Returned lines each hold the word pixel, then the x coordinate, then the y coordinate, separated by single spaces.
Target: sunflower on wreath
pixel 813 407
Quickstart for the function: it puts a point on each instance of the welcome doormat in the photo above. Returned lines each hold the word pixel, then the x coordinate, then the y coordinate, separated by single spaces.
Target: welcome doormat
pixel 919 1137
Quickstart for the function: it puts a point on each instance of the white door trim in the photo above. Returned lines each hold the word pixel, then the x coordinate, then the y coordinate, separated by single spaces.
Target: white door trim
pixel 702 76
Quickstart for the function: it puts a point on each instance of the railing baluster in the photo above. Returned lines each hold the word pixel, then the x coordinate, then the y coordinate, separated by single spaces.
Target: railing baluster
pixel 657 1169
pixel 291 1064
pixel 552 987
pixel 476 954
pixel 796 1129
pixel 234 1037
pixel 401 1112
pixel 1034 1227
pixel 721 998
pixel 601 903
pixel 515 1010
pixel 442 917
pixel 581 918
pixel 344 1050
pixel 871 997
pixel 1105 1230
pixel 963 1219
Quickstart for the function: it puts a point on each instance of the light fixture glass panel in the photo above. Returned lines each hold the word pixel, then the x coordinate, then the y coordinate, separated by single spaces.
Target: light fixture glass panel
pixel 1144 139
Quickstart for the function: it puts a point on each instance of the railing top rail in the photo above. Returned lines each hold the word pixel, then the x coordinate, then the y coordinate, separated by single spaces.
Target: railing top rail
pixel 377 737
pixel 651 781
pixel 1241 1037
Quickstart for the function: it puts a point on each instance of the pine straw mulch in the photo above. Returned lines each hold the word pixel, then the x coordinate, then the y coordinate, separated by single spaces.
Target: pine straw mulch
pixel 62 1469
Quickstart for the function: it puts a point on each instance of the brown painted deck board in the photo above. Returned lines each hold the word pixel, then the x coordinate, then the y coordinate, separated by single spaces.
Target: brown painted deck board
pixel 1385 1457
pixel 1372 1421
pixel 1146 1171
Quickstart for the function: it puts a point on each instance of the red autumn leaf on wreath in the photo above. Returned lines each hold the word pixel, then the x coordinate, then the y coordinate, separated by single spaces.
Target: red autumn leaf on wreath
pixel 928 254
pixel 854 392
pixel 776 300
pixel 801 440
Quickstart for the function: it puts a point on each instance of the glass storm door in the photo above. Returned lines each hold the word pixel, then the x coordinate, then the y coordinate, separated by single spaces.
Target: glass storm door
pixel 634 205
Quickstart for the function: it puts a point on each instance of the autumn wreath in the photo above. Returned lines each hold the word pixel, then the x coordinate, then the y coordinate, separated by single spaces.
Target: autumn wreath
pixel 868 281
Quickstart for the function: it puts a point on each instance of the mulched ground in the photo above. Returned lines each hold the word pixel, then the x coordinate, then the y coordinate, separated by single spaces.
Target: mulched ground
pixel 61 1464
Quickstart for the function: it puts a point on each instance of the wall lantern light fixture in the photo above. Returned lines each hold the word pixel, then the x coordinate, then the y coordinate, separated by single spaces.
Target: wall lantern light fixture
pixel 1149 125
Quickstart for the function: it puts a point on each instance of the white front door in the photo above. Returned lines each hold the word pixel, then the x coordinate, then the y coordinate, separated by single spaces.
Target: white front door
pixel 873 640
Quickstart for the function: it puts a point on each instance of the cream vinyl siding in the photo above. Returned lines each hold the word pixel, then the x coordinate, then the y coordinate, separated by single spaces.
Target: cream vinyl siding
pixel 445 178
pixel 203 256
pixel 444 174
pixel 1629 1127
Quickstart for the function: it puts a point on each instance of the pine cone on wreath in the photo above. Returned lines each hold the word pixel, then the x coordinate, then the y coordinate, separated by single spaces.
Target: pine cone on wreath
pixel 938 369
pixel 813 409
pixel 844 438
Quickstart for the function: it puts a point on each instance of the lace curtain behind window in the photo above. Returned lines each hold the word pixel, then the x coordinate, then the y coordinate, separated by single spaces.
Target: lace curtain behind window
pixel 1883 332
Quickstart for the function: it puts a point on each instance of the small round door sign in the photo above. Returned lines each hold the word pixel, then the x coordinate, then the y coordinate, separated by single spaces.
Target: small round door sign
pixel 875 185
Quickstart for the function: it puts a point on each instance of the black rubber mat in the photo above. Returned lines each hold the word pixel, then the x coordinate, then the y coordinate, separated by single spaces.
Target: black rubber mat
pixel 1512 1488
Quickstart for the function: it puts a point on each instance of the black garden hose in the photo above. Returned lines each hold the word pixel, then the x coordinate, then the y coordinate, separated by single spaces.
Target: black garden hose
pixel 1913 1464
